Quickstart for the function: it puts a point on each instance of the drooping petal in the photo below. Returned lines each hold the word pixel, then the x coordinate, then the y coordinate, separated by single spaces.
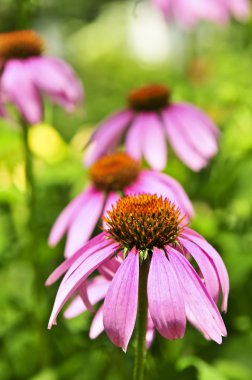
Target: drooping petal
pixel 120 305
pixel 82 290
pixel 107 136
pixel 98 242
pixel 134 137
pixel 195 131
pixel 165 298
pixel 97 326
pixel 180 144
pixel 57 79
pixel 219 264
pixel 83 224
pixel 153 142
pixel 66 216
pixel 96 290
pixel 109 267
pixel 17 86
pixel 197 300
pixel 76 275
pixel 206 266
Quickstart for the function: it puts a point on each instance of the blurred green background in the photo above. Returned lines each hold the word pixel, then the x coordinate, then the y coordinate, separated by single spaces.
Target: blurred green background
pixel 115 46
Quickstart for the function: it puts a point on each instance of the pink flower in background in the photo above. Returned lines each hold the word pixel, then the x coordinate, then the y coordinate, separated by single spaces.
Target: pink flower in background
pixel 146 231
pixel 111 176
pixel 26 75
pixel 147 122
pixel 189 12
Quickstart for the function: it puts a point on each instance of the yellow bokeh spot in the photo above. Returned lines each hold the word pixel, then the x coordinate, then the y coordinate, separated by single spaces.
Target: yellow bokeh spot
pixel 46 143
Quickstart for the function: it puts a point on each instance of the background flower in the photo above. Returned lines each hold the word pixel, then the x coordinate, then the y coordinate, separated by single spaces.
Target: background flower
pixel 144 125
pixel 26 75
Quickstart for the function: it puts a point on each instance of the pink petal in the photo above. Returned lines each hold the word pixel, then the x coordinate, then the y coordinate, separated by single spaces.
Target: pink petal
pixel 165 298
pixel 18 88
pixel 111 200
pixel 85 221
pixel 97 326
pixel 109 267
pixel 194 130
pixel 180 144
pixel 82 290
pixel 197 300
pixel 134 137
pixel 76 275
pixel 57 79
pixel 120 305
pixel 107 136
pixel 100 241
pixel 240 9
pixel 153 142
pixel 96 290
pixel 206 266
pixel 218 262
pixel 67 216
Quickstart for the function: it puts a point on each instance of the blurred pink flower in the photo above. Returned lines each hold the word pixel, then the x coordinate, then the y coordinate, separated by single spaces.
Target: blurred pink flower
pixel 189 12
pixel 111 176
pixel 26 75
pixel 144 125
pixel 146 229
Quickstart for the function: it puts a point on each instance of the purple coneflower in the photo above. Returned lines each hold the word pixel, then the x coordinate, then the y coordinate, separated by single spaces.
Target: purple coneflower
pixel 26 75
pixel 149 118
pixel 111 177
pixel 155 275
pixel 189 12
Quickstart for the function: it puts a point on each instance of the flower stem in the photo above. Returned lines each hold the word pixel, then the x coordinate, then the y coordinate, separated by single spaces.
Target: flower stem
pixel 142 318
pixel 28 170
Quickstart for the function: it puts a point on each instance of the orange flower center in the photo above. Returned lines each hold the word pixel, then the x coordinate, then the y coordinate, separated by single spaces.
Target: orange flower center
pixel 114 172
pixel 149 98
pixel 20 44
pixel 144 221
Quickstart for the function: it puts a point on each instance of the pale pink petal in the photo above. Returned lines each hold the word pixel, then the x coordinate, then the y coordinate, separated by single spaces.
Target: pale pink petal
pixel 97 326
pixel 96 290
pixel 111 200
pixel 120 305
pixel 180 144
pixel 134 137
pixel 153 142
pixel 196 132
pixel 240 9
pixel 109 267
pixel 207 268
pixel 76 275
pixel 18 88
pixel 82 290
pixel 150 333
pixel 218 262
pixel 99 242
pixel 67 216
pixel 165 298
pixel 107 136
pixel 197 300
pixel 84 222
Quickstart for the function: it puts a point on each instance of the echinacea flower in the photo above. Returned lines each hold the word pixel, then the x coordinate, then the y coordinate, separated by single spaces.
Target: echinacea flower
pixel 26 75
pixel 149 119
pixel 189 12
pixel 147 232
pixel 111 177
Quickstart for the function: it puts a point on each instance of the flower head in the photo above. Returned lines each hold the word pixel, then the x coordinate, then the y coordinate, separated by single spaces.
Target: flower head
pixel 26 75
pixel 188 13
pixel 149 118
pixel 176 291
pixel 111 177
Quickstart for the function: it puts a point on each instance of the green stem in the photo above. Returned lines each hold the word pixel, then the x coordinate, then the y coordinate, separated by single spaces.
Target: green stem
pixel 142 319
pixel 29 176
